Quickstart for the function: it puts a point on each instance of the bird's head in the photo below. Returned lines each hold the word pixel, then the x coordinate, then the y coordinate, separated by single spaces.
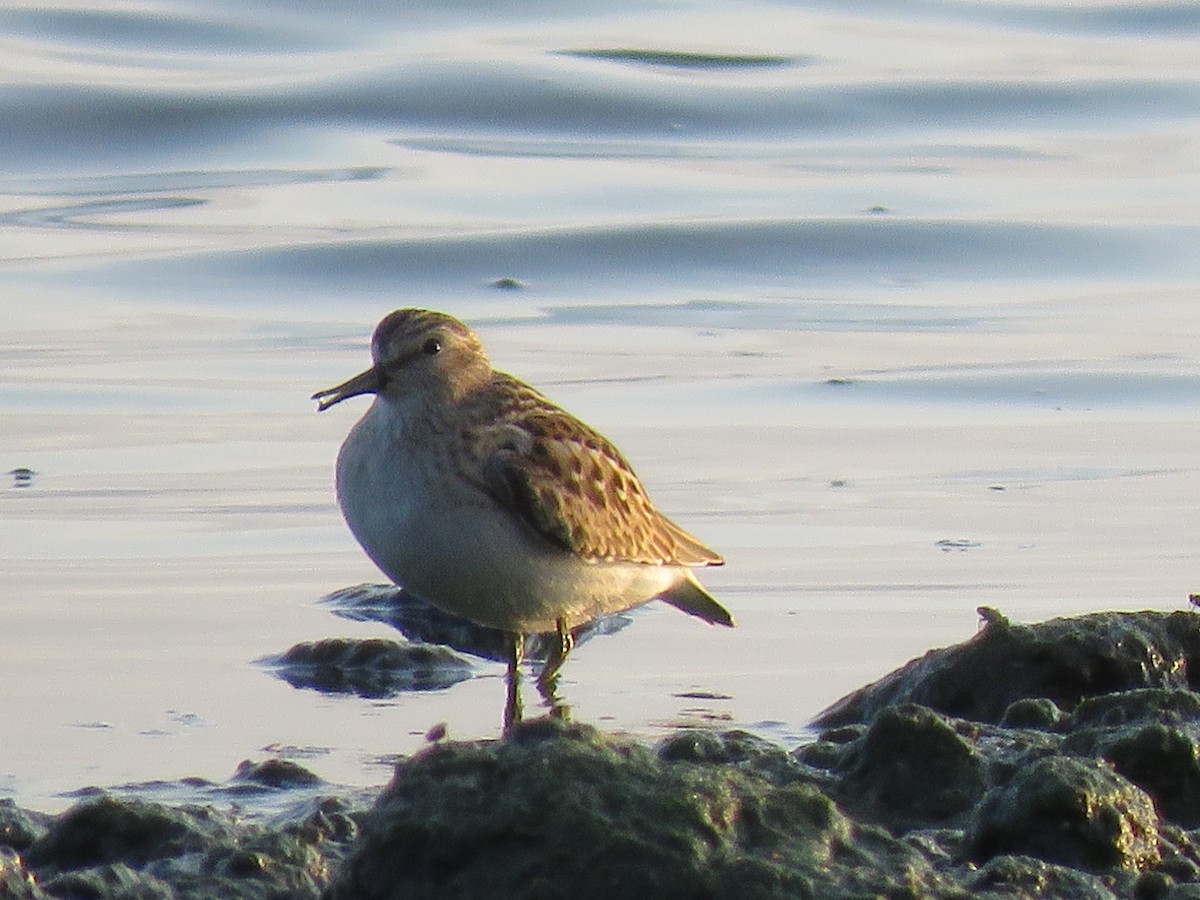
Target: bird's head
pixel 416 352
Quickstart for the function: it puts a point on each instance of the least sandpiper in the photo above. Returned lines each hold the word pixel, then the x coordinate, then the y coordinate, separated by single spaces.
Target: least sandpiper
pixel 470 489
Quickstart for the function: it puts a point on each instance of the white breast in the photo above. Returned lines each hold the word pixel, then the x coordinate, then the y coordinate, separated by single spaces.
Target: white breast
pixel 451 544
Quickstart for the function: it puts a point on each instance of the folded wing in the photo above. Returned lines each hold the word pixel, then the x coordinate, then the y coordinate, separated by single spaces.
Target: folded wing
pixel 573 487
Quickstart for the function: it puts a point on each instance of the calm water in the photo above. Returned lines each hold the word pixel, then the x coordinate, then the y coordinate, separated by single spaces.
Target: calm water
pixel 897 308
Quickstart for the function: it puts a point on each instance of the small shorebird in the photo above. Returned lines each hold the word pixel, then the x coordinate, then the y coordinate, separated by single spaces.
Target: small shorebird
pixel 473 491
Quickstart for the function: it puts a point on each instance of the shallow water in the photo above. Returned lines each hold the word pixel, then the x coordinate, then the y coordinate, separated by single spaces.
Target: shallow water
pixel 895 308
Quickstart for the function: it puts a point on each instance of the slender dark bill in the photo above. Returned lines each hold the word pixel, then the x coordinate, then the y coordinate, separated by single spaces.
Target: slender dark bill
pixel 367 382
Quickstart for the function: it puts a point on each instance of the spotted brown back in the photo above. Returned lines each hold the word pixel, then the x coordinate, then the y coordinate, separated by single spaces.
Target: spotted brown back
pixel 573 487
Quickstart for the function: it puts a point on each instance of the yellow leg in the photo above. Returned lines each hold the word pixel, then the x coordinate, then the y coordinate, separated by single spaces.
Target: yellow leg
pixel 557 655
pixel 548 679
pixel 512 706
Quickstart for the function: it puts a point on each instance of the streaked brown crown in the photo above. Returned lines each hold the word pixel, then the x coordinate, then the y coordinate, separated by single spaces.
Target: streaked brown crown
pixel 419 350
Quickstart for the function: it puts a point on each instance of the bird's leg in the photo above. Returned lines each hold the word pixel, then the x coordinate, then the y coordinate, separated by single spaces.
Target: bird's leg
pixel 558 653
pixel 512 706
pixel 548 679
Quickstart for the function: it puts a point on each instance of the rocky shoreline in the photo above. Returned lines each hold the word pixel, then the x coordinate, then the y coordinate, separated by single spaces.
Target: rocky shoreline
pixel 1051 760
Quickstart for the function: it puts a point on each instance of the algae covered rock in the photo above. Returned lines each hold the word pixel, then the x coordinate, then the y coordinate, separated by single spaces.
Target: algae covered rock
pixel 16 882
pixel 912 769
pixel 110 847
pixel 113 880
pixel 1026 877
pixel 1164 762
pixel 372 667
pixel 1068 752
pixel 110 830
pixel 1062 660
pixel 1070 811
pixel 18 828
pixel 560 810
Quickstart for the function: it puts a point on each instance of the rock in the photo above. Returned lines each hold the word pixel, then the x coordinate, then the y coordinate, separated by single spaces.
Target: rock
pixel 1026 877
pixel 560 810
pixel 321 821
pixel 1136 706
pixel 274 774
pixel 1063 660
pixel 19 829
pixel 16 882
pixel 1150 736
pixel 1069 811
pixel 734 748
pixel 113 880
pixel 371 668
pixel 911 769
pixel 1033 712
pixel 110 848
pixel 1164 762
pixel 1180 855
pixel 107 830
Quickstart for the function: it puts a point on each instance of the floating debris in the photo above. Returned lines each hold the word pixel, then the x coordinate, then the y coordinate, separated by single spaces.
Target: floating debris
pixel 702 695
pixel 960 544
pixel 22 477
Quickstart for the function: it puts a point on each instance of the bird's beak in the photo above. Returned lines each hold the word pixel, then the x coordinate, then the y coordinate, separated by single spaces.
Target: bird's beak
pixel 368 382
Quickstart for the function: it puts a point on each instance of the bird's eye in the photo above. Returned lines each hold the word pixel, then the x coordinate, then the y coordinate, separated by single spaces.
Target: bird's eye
pixel 432 347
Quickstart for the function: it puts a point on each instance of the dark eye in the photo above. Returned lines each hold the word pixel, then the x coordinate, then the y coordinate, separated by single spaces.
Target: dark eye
pixel 431 347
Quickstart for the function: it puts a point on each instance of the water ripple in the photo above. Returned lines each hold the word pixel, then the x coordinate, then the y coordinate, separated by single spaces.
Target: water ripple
pixel 198 180
pixel 87 215
pixel 468 98
pixel 156 31
pixel 720 254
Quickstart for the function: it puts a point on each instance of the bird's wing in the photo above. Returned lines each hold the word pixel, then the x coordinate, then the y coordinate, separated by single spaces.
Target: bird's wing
pixel 573 487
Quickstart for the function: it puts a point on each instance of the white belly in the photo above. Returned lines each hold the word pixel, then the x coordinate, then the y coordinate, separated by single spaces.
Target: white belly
pixel 458 549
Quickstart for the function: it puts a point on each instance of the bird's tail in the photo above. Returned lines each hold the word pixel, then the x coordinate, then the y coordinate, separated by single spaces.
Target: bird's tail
pixel 690 597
